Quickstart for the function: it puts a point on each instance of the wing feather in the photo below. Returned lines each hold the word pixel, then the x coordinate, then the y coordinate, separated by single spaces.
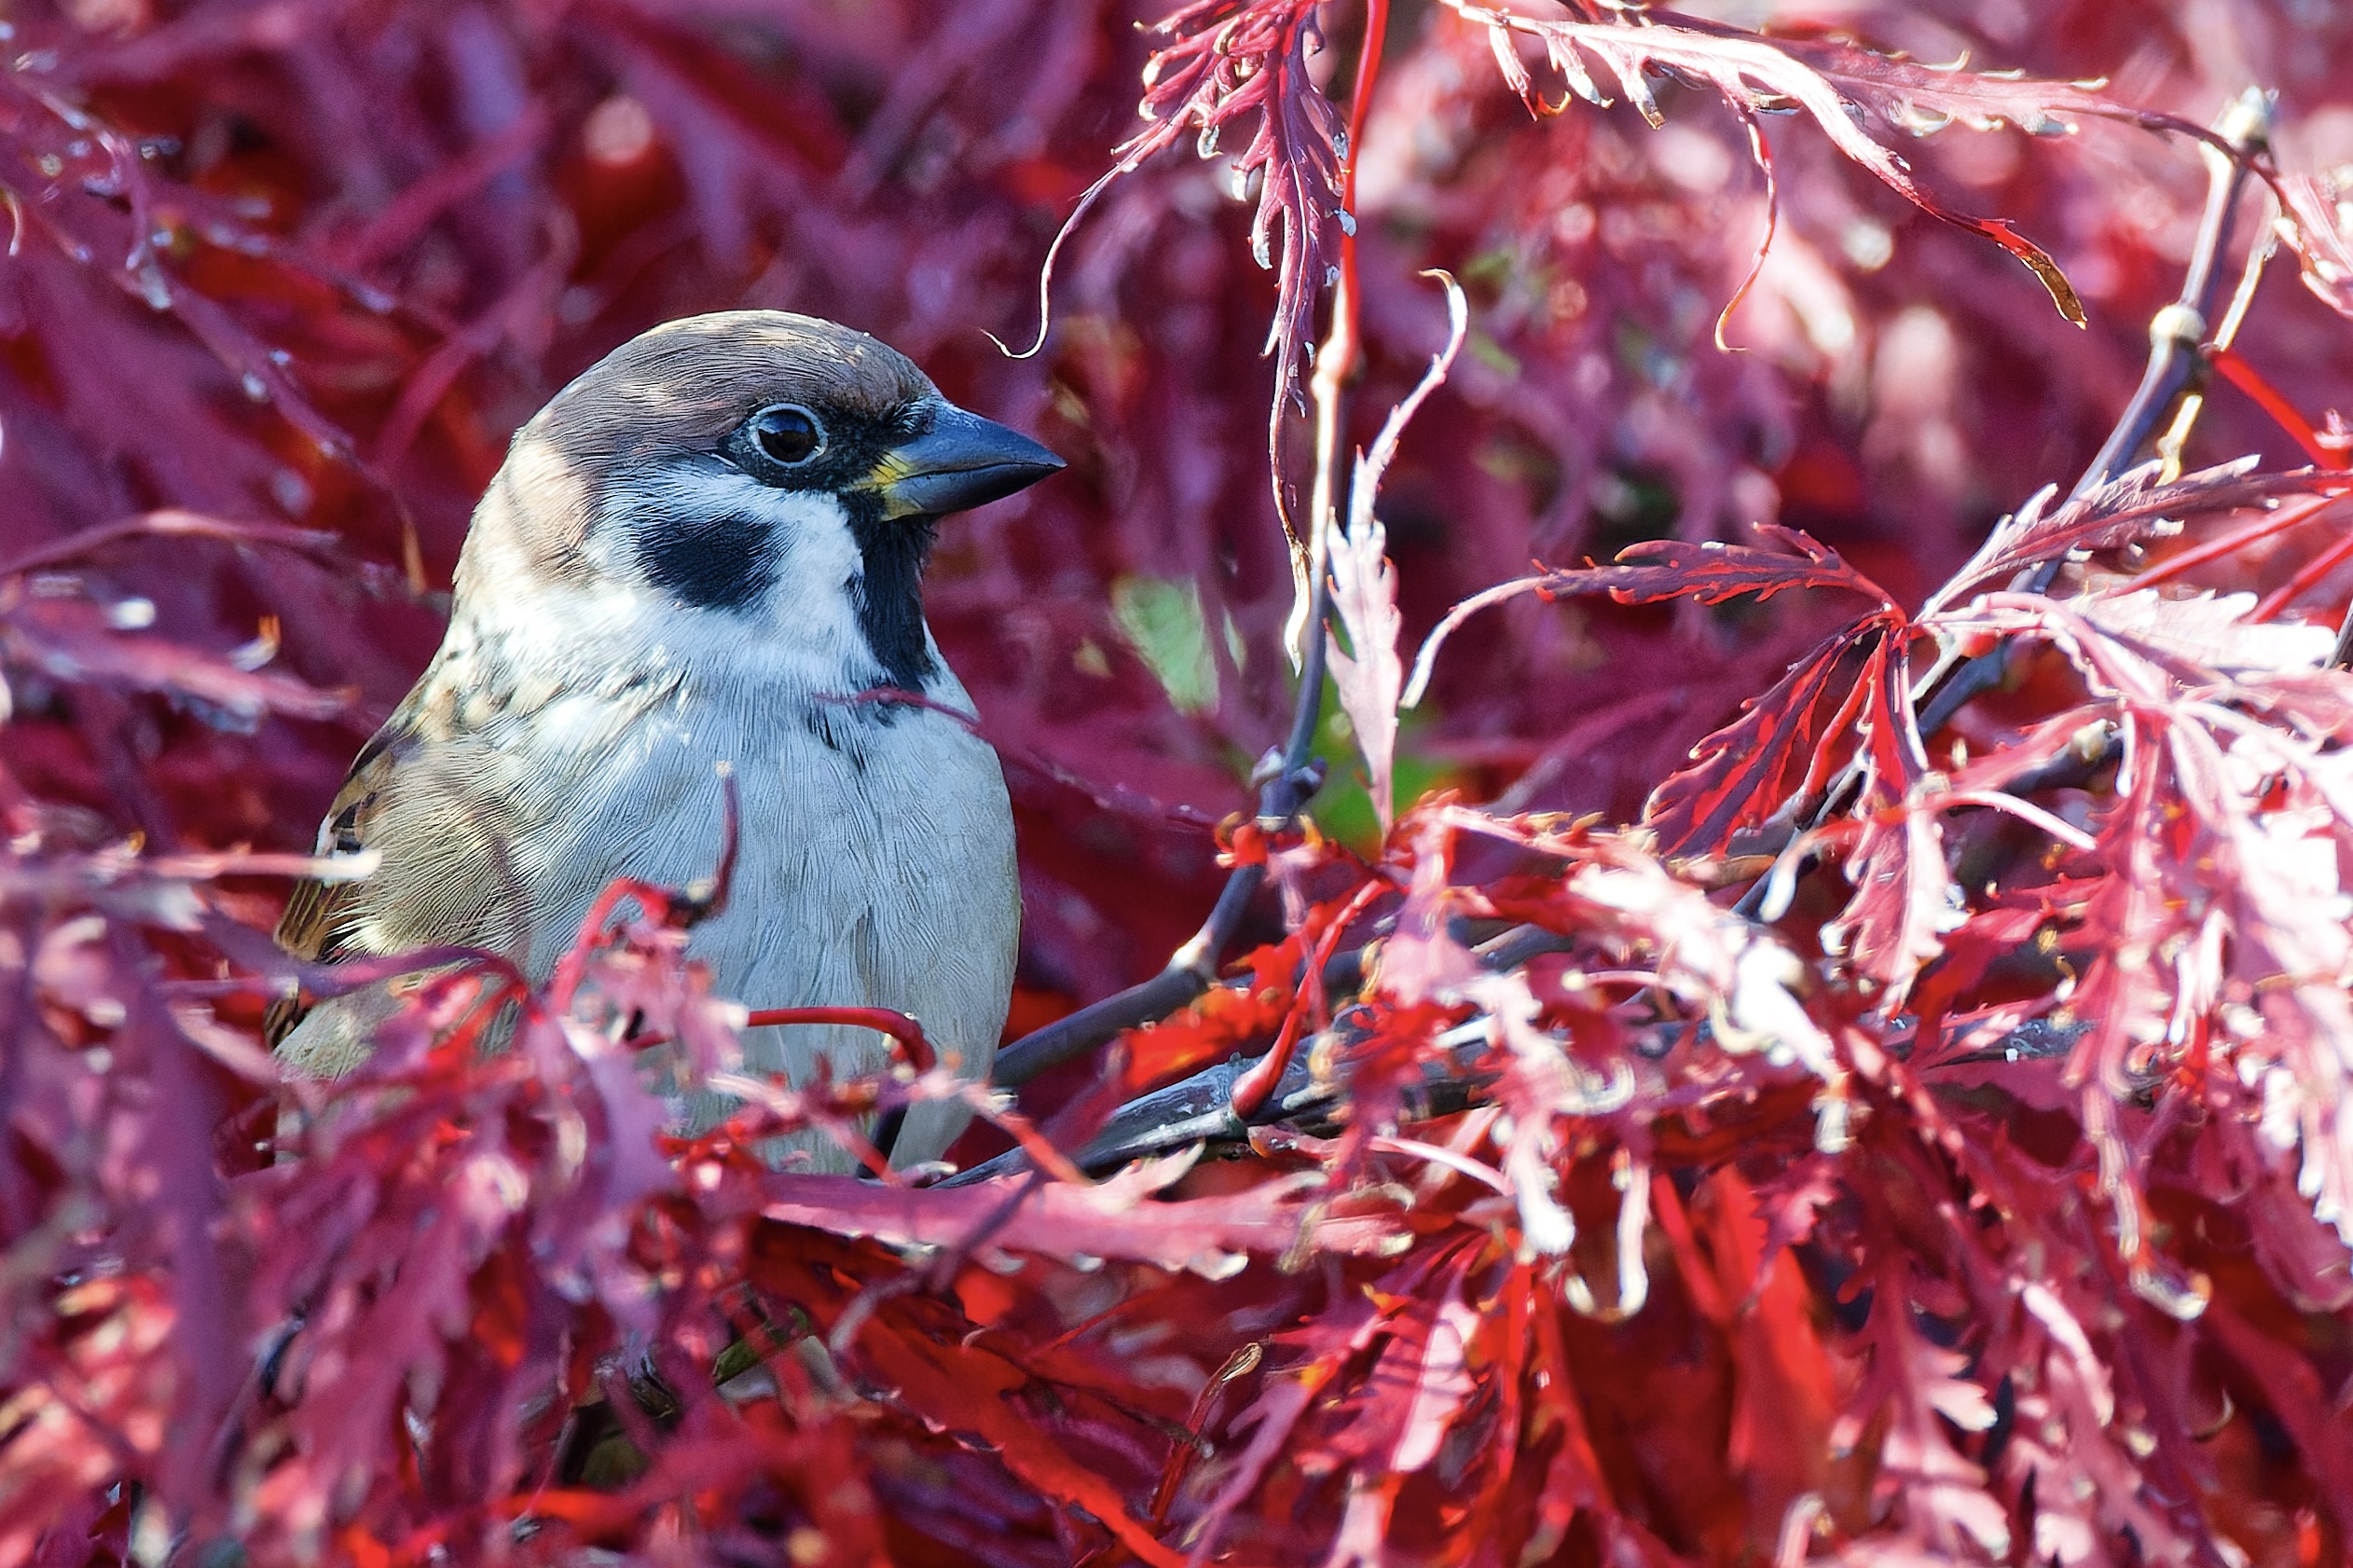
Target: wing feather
pixel 317 925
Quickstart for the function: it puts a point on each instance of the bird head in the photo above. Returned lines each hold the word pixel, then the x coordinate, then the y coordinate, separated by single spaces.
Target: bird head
pixel 748 473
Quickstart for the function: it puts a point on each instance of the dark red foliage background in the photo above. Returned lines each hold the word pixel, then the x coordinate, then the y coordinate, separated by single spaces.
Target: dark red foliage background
pixel 282 278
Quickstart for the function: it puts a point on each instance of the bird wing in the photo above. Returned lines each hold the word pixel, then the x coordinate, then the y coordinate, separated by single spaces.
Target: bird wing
pixel 319 916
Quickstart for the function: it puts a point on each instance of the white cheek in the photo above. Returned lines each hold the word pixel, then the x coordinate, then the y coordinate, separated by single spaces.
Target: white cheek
pixel 817 564
pixel 558 637
pixel 611 633
pixel 804 632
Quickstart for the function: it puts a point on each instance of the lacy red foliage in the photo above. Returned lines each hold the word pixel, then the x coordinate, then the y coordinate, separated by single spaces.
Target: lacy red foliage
pixel 1770 1124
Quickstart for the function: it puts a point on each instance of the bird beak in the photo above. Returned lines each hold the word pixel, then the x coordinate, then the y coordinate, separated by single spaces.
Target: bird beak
pixel 963 461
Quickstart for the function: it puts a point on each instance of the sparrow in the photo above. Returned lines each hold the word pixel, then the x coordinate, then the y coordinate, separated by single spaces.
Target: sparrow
pixel 708 549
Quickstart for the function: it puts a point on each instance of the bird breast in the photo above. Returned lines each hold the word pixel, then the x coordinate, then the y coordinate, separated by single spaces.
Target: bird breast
pixel 875 869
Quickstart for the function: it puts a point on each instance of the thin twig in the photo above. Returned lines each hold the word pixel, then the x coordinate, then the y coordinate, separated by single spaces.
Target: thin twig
pixel 1289 779
pixel 912 1050
pixel 1199 1110
pixel 1193 968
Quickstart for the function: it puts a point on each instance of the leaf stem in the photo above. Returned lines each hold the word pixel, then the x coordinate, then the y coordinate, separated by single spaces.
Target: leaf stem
pixel 1336 359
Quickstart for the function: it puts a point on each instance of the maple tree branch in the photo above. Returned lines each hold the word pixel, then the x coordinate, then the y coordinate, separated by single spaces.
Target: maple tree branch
pixel 2176 368
pixel 1200 1109
pixel 1286 779
pixel 1205 1107
pixel 1289 778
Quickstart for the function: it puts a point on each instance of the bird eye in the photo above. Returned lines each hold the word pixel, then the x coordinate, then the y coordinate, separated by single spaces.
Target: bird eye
pixel 787 433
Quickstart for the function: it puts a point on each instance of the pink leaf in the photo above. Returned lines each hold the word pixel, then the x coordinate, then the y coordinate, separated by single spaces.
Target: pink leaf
pixel 2320 224
pixel 1740 774
pixel 1365 586
pixel 1754 74
pixel 1118 1219
pixel 2130 507
pixel 1662 569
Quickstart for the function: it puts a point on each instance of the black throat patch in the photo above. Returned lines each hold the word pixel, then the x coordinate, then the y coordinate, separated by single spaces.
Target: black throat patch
pixel 888 593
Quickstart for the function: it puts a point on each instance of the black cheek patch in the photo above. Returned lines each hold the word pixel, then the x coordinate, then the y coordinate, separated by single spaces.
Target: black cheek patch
pixel 714 563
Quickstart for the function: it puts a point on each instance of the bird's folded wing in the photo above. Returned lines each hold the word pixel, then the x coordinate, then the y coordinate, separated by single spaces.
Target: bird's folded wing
pixel 319 914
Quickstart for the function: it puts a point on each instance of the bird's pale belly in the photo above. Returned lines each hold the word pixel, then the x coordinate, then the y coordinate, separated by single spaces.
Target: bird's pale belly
pixel 896 891
pixel 876 870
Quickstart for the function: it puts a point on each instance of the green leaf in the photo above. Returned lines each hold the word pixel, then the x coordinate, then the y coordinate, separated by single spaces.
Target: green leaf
pixel 1163 621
